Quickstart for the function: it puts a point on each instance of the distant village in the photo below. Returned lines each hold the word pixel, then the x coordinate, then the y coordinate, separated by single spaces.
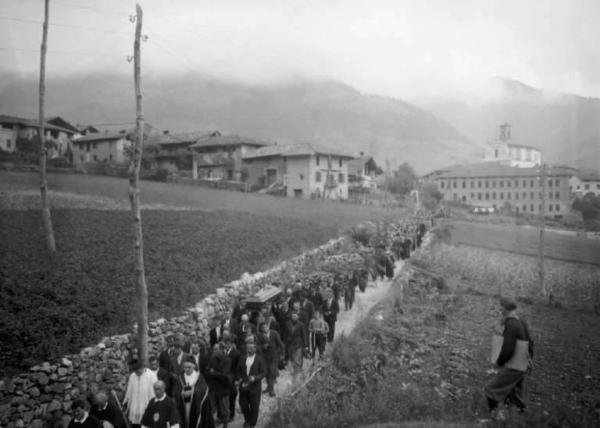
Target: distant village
pixel 509 176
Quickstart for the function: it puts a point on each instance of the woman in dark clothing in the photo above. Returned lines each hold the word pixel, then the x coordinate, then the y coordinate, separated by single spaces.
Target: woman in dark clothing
pixel 508 386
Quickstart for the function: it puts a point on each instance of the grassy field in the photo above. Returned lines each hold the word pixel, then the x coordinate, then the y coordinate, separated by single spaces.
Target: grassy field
pixel 524 240
pixel 326 213
pixel 421 360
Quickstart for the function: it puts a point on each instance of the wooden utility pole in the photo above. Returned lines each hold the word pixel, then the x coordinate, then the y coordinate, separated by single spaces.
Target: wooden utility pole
pixel 542 282
pixel 134 198
pixel 47 220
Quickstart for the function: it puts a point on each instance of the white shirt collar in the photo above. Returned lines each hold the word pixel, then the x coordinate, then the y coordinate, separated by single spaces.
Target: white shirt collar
pixel 160 399
pixel 85 416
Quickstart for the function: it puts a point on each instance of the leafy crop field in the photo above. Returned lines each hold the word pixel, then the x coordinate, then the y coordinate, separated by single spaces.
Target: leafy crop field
pixel 574 285
pixel 420 359
pixel 51 305
pixel 524 240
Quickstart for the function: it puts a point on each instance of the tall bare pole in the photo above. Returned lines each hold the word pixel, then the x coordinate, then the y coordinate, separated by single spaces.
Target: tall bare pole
pixel 47 220
pixel 134 197
pixel 542 283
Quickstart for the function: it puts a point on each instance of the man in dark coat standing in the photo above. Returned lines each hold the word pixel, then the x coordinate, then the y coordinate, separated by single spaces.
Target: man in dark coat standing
pixel 296 342
pixel 161 411
pixel 104 410
pixel 251 370
pixel 272 350
pixel 162 374
pixel 220 382
pixel 331 308
pixel 229 348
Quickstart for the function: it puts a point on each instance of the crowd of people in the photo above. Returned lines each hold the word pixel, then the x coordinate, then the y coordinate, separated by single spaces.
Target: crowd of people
pixel 195 382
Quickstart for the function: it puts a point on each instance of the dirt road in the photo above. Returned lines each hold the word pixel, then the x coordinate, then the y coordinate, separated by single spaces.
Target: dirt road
pixel 347 320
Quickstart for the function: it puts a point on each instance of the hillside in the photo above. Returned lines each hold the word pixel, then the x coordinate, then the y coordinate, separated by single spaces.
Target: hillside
pixel 564 126
pixel 322 111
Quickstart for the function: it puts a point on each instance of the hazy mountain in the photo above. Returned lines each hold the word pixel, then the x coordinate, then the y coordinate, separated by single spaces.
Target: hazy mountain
pixel 566 127
pixel 322 111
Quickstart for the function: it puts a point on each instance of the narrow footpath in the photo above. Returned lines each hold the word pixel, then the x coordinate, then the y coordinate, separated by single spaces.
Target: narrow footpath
pixel 347 320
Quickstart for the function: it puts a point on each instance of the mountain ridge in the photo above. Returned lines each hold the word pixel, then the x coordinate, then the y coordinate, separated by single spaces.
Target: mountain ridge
pixel 324 111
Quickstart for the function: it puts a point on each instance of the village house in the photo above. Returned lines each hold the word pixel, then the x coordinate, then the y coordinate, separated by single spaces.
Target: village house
pixel 361 172
pixel 107 146
pixel 304 170
pixel 583 183
pixel 172 151
pixel 14 130
pixel 219 157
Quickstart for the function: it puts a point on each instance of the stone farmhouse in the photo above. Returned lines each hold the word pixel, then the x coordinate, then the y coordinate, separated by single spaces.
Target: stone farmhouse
pixel 303 170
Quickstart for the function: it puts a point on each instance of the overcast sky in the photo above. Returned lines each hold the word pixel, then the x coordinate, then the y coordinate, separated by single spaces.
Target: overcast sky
pixel 405 49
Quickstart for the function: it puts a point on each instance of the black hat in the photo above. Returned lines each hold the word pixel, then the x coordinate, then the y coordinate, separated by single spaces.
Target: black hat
pixel 508 304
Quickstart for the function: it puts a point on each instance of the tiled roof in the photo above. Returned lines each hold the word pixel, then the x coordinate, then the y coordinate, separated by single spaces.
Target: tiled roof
pixel 30 123
pixel 588 176
pixel 102 136
pixel 226 140
pixel 359 162
pixel 497 169
pixel 183 137
pixel 299 149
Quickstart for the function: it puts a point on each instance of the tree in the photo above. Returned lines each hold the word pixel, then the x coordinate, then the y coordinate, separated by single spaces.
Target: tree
pixel 588 206
pixel 430 195
pixel 134 198
pixel 47 220
pixel 402 180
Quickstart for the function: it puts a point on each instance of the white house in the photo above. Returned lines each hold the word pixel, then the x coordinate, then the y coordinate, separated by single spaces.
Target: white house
pixel 584 183
pixel 305 170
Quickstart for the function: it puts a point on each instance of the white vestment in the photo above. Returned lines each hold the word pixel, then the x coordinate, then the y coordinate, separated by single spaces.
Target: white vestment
pixel 140 390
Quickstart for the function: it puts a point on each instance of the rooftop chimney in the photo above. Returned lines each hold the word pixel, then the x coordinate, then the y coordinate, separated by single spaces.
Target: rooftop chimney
pixel 505 132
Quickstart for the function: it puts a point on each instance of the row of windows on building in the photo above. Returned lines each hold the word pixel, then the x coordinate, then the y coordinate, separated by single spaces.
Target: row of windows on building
pixel 318 177
pixel 492 183
pixel 501 196
pixel 319 161
pixel 95 158
pixel 587 186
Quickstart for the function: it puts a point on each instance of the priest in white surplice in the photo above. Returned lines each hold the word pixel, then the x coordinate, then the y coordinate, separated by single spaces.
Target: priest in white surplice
pixel 140 390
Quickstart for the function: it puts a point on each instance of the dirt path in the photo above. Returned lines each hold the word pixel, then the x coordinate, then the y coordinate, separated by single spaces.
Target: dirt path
pixel 347 320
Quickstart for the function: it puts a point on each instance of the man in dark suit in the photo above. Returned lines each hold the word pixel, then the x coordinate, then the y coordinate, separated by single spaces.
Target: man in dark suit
pixel 228 346
pixel 215 332
pixel 104 410
pixel 162 374
pixel 272 350
pixel 331 308
pixel 251 370
pixel 165 357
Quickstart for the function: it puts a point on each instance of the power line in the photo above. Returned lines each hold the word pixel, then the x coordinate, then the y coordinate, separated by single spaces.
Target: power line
pixel 78 6
pixel 81 27
pixel 89 53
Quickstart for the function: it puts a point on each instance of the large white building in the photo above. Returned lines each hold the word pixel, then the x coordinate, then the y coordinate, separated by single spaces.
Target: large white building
pixel 503 149
pixel 510 177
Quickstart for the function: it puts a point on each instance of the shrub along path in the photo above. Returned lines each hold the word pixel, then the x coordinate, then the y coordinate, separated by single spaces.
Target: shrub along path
pixel 347 320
